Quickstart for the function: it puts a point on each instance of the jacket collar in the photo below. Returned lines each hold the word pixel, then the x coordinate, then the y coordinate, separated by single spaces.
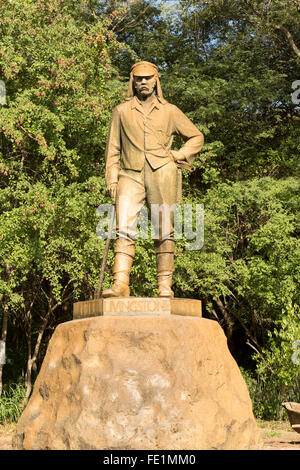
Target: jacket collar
pixel 156 102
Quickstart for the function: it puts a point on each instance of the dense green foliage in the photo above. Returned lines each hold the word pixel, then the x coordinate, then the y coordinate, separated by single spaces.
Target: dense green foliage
pixel 12 403
pixel 61 87
pixel 229 65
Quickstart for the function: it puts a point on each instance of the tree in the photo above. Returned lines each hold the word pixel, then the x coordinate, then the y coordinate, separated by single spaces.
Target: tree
pixel 230 67
pixel 55 60
pixel 246 272
pixel 233 74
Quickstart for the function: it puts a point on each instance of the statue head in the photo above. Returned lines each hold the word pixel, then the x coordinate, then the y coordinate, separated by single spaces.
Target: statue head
pixel 140 71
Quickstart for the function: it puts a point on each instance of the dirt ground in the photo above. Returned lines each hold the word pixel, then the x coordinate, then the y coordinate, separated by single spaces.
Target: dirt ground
pixel 6 433
pixel 277 435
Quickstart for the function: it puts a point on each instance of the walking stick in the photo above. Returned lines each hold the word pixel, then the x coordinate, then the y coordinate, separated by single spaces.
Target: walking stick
pixel 103 266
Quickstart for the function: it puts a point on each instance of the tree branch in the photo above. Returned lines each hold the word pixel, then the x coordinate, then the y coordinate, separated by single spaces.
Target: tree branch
pixel 297 4
pixel 289 38
pixel 269 24
pixel 251 346
pixel 228 320
pixel 132 23
pixel 215 314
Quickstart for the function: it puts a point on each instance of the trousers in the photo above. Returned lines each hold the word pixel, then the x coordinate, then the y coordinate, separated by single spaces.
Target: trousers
pixel 158 189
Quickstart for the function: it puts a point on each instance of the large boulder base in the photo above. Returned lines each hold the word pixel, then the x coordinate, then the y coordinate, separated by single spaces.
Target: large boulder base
pixel 138 382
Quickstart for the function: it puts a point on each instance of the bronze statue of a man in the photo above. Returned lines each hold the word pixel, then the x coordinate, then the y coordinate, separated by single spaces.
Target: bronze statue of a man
pixel 141 167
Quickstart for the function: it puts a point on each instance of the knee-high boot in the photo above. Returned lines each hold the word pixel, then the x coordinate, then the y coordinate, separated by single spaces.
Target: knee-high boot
pixel 165 267
pixel 121 270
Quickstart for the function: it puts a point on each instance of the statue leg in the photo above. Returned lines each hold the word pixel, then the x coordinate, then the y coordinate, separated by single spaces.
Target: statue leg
pixel 161 186
pixel 129 201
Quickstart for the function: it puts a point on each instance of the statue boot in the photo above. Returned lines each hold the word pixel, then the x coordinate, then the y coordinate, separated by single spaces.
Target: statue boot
pixel 121 270
pixel 165 268
pixel 164 281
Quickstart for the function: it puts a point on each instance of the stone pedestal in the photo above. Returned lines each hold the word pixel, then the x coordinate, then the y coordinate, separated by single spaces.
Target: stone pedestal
pixel 138 382
pixel 137 306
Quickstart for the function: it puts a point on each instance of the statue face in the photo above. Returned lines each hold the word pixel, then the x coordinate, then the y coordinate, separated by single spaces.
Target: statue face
pixel 144 86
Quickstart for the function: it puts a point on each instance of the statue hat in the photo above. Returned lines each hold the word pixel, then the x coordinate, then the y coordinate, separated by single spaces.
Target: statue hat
pixel 144 69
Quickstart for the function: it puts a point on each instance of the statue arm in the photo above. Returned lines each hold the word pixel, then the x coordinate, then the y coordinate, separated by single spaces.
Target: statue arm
pixel 193 138
pixel 113 152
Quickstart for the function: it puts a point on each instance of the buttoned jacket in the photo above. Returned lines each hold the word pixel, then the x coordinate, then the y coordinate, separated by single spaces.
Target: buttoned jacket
pixel 135 136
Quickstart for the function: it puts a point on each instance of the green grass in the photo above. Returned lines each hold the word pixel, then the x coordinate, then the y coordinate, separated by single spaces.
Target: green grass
pixel 272 434
pixel 280 425
pixel 12 403
pixel 274 428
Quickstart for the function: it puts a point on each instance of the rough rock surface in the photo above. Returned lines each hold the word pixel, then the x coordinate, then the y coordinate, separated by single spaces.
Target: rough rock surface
pixel 138 382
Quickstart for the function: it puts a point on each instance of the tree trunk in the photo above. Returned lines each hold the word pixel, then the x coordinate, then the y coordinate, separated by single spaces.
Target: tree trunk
pixel 29 362
pixel 229 323
pixel 28 378
pixel 32 358
pixel 3 338
pixel 28 316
